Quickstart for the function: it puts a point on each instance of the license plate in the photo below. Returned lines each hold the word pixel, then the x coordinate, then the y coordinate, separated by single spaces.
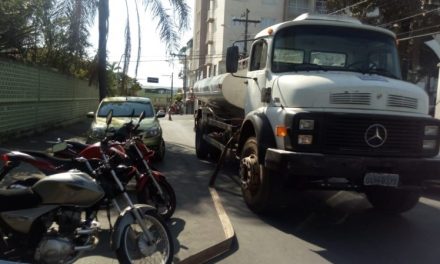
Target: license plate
pixel 381 179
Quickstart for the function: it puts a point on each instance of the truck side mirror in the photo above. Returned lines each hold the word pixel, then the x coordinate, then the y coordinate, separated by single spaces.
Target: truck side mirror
pixel 232 56
pixel 90 115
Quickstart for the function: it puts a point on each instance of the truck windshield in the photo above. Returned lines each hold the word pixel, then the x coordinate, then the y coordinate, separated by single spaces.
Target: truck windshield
pixel 304 48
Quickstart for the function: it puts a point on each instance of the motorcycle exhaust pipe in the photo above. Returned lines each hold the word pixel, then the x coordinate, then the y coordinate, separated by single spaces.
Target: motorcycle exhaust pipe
pixel 89 247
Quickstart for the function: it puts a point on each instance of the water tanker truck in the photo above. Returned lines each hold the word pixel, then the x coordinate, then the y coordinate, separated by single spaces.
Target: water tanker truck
pixel 321 104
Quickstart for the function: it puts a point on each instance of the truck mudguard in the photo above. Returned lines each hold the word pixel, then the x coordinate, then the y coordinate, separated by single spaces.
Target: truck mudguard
pixel 257 124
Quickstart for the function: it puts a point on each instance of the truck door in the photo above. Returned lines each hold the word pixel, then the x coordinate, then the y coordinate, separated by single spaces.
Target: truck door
pixel 257 70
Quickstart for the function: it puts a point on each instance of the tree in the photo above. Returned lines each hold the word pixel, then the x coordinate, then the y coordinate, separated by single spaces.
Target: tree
pixel 411 20
pixel 168 30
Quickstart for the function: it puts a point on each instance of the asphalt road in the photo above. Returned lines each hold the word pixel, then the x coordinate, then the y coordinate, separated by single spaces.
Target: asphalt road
pixel 321 227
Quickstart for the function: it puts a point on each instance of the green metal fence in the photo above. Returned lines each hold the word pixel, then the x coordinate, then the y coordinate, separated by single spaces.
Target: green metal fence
pixel 33 98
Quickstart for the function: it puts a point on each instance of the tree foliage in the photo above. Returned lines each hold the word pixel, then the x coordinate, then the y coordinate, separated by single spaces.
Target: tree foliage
pixel 55 34
pixel 413 22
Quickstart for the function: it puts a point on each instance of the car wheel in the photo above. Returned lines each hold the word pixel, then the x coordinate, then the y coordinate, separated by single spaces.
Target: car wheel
pixel 160 153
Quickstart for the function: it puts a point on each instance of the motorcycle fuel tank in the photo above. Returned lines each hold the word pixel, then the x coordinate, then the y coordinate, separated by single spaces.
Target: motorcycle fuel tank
pixel 69 188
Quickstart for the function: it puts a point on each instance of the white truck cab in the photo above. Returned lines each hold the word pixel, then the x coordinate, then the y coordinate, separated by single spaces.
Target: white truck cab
pixel 324 107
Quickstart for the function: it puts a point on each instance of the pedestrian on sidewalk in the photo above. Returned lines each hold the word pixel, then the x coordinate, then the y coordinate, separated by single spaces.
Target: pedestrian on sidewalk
pixel 169 114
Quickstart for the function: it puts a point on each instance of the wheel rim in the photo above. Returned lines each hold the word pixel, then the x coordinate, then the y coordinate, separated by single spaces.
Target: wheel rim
pixel 137 247
pixel 250 173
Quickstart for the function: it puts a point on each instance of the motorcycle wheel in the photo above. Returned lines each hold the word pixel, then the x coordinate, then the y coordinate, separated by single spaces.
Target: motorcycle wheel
pixel 136 249
pixel 165 207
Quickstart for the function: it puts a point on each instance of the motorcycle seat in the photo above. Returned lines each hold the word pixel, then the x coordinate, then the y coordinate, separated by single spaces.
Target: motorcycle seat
pixel 57 162
pixel 17 199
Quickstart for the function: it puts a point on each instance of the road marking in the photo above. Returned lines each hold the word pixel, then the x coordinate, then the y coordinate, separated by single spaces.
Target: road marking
pixel 221 247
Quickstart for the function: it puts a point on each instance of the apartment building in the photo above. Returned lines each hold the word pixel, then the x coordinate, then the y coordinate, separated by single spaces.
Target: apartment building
pixel 218 23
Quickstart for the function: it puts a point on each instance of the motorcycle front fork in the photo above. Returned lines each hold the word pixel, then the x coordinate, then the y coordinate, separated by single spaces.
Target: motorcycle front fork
pixel 7 168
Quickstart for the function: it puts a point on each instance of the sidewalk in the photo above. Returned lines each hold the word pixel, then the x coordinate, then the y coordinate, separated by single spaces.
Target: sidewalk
pixel 37 141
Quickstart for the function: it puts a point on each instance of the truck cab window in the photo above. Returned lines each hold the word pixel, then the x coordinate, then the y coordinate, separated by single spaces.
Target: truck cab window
pixel 259 56
pixel 305 48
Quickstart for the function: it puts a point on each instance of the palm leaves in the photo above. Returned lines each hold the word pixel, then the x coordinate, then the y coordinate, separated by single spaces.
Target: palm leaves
pixel 168 30
pixel 55 32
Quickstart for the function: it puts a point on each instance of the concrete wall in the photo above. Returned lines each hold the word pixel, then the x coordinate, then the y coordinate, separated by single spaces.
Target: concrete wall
pixel 33 99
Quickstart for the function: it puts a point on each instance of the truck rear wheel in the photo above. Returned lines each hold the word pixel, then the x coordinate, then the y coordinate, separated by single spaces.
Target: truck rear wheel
pixel 258 184
pixel 392 200
pixel 202 147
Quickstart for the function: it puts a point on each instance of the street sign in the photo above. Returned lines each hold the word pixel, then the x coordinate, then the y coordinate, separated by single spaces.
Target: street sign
pixel 152 79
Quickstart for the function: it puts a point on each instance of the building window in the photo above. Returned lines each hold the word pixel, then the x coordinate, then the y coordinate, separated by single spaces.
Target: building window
pixel 321 6
pixel 298 6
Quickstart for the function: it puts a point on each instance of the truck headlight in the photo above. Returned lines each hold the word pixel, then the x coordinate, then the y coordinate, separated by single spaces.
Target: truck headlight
pixel 306 124
pixel 429 144
pixel 305 139
pixel 431 130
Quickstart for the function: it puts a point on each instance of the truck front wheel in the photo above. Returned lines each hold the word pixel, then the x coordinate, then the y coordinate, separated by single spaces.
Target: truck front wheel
pixel 258 184
pixel 392 200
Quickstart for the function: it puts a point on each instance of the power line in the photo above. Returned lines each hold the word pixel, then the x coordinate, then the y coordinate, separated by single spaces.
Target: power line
pixel 408 17
pixel 350 6
pixel 419 36
pixel 417 30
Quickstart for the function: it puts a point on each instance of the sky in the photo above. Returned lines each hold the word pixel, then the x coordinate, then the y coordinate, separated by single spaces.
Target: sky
pixel 153 53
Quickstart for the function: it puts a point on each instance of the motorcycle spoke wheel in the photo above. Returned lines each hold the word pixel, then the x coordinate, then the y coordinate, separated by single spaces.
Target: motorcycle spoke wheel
pixel 165 206
pixel 139 250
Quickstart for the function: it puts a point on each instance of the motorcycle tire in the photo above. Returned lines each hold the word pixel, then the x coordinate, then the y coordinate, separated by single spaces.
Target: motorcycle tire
pixel 149 195
pixel 142 251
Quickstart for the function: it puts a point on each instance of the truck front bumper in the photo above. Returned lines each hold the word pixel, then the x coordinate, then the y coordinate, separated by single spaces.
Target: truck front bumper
pixel 305 168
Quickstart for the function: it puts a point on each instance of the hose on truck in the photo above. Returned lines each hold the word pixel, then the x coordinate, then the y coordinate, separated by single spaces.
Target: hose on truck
pixel 222 159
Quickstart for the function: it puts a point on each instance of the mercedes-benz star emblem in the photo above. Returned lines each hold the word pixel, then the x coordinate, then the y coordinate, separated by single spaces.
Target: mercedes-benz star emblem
pixel 375 135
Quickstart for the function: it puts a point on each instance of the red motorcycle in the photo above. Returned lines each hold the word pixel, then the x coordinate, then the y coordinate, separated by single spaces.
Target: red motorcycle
pixel 151 186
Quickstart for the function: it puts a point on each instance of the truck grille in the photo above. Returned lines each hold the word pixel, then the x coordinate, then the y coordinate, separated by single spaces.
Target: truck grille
pixel 350 98
pixel 402 101
pixel 348 135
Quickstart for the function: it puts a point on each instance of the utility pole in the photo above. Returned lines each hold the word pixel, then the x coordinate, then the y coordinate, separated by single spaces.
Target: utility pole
pixel 185 58
pixel 171 99
pixel 246 24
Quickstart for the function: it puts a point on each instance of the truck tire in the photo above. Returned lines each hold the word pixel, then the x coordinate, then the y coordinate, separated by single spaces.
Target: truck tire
pixel 391 200
pixel 202 147
pixel 259 185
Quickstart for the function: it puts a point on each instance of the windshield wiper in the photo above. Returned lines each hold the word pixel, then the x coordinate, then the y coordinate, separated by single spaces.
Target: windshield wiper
pixel 382 71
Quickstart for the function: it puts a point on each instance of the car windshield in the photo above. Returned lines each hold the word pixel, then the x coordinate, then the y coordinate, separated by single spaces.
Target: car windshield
pixel 303 48
pixel 125 109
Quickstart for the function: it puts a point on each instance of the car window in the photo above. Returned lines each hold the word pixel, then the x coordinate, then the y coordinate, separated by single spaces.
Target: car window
pixel 125 109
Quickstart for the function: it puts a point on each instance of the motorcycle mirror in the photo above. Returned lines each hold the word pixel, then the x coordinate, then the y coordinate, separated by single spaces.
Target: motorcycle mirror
pixel 132 115
pixel 142 115
pixel 109 117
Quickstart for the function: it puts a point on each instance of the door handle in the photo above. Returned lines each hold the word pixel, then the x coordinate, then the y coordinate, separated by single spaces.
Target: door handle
pixel 246 82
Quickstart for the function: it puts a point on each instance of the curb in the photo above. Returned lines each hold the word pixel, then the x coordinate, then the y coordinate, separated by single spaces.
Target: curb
pixel 220 248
